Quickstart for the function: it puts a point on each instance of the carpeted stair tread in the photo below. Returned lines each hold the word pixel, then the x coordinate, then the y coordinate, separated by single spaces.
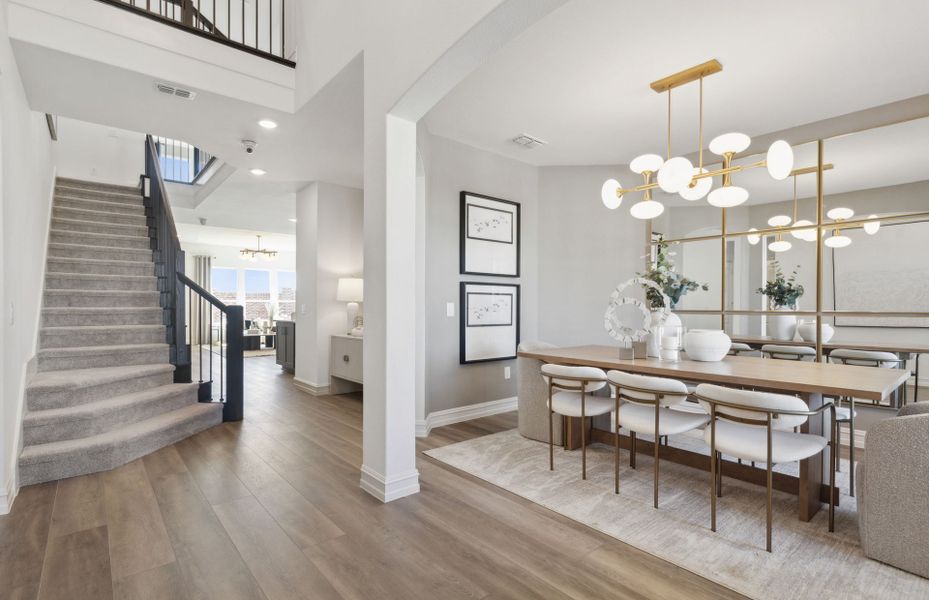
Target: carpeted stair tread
pixel 64 388
pixel 78 350
pixel 93 418
pixel 61 265
pixel 58 298
pixel 100 282
pixel 98 216
pixel 65 250
pixel 99 335
pixel 109 240
pixel 69 458
pixel 95 185
pixel 69 316
pixel 61 380
pixel 84 226
pixel 88 357
pixel 109 195
pixel 121 208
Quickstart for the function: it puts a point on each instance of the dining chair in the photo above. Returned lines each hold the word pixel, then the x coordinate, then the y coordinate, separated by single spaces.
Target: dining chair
pixel 782 352
pixel 654 406
pixel 740 349
pixel 570 394
pixel 759 426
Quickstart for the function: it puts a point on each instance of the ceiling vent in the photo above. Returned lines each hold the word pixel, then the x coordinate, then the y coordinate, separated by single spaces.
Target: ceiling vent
pixel 528 142
pixel 171 90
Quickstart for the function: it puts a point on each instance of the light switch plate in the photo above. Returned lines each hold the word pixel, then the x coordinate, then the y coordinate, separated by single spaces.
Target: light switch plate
pixel 449 309
pixel 506 372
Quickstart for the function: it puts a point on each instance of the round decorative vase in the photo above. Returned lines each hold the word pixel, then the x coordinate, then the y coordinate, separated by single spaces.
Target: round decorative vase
pixel 651 340
pixel 707 345
pixel 782 327
pixel 807 331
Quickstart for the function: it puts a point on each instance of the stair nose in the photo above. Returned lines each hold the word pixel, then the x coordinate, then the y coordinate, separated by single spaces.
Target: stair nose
pixel 97 281
pixel 62 389
pixel 91 266
pixel 102 316
pixel 70 250
pixel 120 208
pixel 86 336
pixel 65 359
pixel 58 236
pixel 79 225
pixel 60 298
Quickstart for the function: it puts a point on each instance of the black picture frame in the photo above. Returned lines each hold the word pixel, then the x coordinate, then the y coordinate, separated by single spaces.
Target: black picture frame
pixel 465 235
pixel 465 293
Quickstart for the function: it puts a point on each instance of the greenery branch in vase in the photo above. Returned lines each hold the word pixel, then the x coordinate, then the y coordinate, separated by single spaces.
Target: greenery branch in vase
pixel 674 285
pixel 782 293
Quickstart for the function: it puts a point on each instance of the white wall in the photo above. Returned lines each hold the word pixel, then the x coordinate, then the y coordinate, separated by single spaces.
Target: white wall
pixel 329 246
pixel 96 153
pixel 26 176
pixel 452 167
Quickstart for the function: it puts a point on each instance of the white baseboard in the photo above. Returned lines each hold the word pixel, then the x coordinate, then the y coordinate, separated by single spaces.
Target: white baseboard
pixel 7 495
pixel 460 414
pixel 310 387
pixel 389 490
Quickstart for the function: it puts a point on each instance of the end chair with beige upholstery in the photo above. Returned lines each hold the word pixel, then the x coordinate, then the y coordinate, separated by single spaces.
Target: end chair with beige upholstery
pixel 893 491
pixel 532 396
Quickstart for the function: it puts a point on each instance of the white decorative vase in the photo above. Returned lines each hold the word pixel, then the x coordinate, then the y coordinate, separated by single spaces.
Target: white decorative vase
pixel 807 331
pixel 782 327
pixel 707 345
pixel 651 340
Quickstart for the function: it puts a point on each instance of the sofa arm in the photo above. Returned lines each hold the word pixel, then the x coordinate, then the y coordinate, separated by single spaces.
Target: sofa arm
pixel 893 493
pixel 918 408
pixel 532 397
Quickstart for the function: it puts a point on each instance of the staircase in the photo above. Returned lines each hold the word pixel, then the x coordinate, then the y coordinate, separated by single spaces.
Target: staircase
pixel 104 393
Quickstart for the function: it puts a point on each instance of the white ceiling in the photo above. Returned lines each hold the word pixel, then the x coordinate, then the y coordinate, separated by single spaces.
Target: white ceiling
pixel 323 141
pixel 234 238
pixel 580 78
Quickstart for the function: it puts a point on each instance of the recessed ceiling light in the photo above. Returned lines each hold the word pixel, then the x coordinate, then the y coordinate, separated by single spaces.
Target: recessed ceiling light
pixel 258 172
pixel 268 124
pixel 292 220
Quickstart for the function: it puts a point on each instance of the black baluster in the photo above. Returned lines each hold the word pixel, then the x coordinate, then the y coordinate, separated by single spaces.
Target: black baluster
pixel 200 329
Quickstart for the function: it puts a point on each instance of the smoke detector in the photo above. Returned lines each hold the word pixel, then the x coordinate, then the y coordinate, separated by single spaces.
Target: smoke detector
pixel 527 141
pixel 173 90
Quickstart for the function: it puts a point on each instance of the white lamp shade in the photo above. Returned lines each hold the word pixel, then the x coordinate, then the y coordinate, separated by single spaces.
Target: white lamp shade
pixel 729 142
pixel 608 193
pixel 838 241
pixel 727 197
pixel 872 227
pixel 646 209
pixel 779 221
pixel 780 160
pixel 646 162
pixel 675 174
pixel 779 246
pixel 840 213
pixel 807 235
pixel 700 187
pixel 350 289
pixel 753 239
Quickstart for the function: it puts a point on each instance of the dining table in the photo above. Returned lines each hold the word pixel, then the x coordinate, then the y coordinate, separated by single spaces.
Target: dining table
pixel 811 381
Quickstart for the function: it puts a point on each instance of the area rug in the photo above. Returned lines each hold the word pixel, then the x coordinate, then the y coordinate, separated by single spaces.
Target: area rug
pixel 807 562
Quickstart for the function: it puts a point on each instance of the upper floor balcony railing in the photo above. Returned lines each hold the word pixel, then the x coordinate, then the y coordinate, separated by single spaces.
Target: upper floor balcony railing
pixel 255 26
pixel 181 162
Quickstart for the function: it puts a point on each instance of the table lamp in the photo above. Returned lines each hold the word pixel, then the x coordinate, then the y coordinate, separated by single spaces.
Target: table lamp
pixel 351 290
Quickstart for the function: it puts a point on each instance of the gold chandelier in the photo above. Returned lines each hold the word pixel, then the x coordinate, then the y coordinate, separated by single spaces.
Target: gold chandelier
pixel 252 254
pixel 677 175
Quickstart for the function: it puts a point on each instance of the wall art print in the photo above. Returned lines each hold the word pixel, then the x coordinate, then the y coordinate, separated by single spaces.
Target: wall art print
pixel 490 236
pixel 489 321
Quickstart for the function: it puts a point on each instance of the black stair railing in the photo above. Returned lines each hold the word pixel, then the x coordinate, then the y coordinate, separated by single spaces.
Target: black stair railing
pixel 178 293
pixel 257 27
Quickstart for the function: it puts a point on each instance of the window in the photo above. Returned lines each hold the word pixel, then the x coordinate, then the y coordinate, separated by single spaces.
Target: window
pixel 286 294
pixel 224 284
pixel 257 294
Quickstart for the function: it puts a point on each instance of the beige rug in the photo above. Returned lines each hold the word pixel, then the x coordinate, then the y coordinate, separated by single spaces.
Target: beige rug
pixel 808 561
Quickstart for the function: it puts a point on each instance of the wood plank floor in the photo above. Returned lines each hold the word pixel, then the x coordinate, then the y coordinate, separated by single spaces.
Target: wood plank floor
pixel 271 508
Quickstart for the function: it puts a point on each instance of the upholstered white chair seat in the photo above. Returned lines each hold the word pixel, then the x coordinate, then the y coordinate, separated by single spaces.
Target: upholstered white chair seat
pixel 641 418
pixel 864 358
pixel 750 443
pixel 569 404
pixel 843 414
pixel 789 352
pixel 738 347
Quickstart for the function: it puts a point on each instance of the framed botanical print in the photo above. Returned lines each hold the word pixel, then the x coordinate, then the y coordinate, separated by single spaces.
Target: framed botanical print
pixel 490 236
pixel 489 321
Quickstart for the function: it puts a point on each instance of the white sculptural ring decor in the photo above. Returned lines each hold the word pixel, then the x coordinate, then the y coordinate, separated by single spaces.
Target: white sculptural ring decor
pixel 623 332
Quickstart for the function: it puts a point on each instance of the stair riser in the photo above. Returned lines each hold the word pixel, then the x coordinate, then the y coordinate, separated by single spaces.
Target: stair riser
pixel 140 299
pixel 109 207
pixel 67 182
pixel 101 254
pixel 97 459
pixel 89 239
pixel 64 282
pixel 98 216
pixel 95 268
pixel 115 338
pixel 75 319
pixel 106 196
pixel 93 227
pixel 46 399
pixel 101 423
pixel 90 360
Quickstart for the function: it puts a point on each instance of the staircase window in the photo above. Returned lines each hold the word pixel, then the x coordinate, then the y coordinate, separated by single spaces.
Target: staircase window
pixel 179 161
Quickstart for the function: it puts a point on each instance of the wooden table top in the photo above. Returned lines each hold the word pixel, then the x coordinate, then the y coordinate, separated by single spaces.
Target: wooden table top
pixel 784 375
pixel 870 346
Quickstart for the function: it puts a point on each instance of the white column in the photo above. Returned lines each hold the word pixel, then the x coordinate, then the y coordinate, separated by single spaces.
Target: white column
pixel 389 468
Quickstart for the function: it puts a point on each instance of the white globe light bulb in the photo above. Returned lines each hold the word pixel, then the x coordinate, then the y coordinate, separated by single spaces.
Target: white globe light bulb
pixel 872 227
pixel 646 162
pixel 727 197
pixel 840 213
pixel 729 142
pixel 675 174
pixel 753 239
pixel 646 209
pixel 800 234
pixel 608 193
pixel 780 160
pixel 779 221
pixel 697 188
pixel 779 246
pixel 838 241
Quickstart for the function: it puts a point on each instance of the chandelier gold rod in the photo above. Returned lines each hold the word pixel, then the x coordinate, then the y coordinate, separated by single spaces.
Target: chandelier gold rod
pixel 686 76
pixel 724 171
pixel 669 124
pixel 700 145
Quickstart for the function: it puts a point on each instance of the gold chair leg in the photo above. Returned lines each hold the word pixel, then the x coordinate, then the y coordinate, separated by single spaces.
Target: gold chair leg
pixel 713 473
pixel 833 460
pixel 583 437
pixel 616 449
pixel 551 440
pixel 632 449
pixel 851 448
pixel 657 447
pixel 719 474
pixel 770 473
